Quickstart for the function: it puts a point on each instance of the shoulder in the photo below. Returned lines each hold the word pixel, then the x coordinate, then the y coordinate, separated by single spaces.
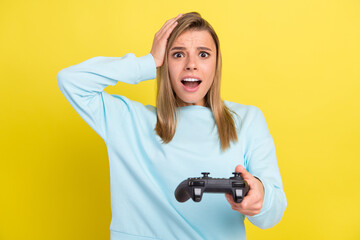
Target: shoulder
pixel 127 106
pixel 248 112
pixel 247 116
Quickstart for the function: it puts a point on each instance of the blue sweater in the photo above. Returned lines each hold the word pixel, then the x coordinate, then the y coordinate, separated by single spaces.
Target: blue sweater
pixel 144 173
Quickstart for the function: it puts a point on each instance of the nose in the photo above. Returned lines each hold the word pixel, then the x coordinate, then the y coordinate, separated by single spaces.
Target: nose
pixel 191 63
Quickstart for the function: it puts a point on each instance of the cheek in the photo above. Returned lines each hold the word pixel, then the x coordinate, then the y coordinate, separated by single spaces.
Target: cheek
pixel 173 71
pixel 210 71
pixel 172 74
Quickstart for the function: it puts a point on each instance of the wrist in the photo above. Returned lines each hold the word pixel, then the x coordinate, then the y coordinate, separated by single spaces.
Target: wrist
pixel 260 182
pixel 155 60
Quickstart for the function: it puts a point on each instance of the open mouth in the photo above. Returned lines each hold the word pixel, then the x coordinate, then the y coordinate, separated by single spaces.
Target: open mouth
pixel 191 82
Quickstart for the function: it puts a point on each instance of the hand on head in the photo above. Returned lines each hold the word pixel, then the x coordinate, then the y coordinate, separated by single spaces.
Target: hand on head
pixel 160 40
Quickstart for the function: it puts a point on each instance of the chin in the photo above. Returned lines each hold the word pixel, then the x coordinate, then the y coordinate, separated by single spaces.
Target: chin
pixel 191 102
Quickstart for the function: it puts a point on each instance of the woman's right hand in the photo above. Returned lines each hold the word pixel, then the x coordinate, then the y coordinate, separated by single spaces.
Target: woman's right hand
pixel 160 40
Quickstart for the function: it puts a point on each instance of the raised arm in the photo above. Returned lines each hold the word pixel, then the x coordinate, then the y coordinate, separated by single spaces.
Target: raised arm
pixel 83 84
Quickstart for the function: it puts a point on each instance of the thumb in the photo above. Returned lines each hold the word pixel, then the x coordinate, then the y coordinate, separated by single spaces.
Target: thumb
pixel 245 174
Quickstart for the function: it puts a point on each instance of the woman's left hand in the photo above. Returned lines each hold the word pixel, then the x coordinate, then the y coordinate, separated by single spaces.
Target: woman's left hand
pixel 253 201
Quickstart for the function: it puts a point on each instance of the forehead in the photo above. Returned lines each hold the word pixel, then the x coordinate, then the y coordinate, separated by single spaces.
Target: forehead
pixel 195 38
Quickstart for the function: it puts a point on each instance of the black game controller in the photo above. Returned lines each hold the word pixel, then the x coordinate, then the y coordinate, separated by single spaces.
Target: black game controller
pixel 195 187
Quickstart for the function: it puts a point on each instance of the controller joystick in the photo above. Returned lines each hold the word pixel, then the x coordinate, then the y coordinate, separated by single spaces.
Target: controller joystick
pixel 205 174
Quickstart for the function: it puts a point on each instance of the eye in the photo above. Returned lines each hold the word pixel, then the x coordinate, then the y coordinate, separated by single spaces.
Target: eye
pixel 204 54
pixel 177 54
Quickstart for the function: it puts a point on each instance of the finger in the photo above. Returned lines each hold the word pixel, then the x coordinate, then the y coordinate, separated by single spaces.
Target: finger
pixel 169 30
pixel 245 211
pixel 251 199
pixel 251 196
pixel 249 203
pixel 254 208
pixel 166 24
pixel 245 174
pixel 228 194
pixel 169 24
pixel 238 208
pixel 229 197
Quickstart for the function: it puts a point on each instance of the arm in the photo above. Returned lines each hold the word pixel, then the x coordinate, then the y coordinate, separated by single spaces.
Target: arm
pixel 83 84
pixel 265 202
pixel 261 161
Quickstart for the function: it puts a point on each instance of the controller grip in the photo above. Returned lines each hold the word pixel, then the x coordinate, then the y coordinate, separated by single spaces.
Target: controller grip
pixel 239 199
pixel 247 188
pixel 181 192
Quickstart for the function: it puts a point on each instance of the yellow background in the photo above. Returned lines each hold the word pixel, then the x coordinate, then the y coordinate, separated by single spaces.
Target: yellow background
pixel 298 61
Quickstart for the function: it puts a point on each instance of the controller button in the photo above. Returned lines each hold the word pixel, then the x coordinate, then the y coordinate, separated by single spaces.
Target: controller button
pixel 238 184
pixel 197 194
pixel 239 192
pixel 238 195
pixel 197 183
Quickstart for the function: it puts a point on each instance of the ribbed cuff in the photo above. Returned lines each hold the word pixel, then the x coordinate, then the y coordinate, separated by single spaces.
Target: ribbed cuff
pixel 148 67
pixel 267 198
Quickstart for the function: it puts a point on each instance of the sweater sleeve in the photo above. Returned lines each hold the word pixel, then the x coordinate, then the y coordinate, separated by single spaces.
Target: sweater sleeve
pixel 261 161
pixel 83 84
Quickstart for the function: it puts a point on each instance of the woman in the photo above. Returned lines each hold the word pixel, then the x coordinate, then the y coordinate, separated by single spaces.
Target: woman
pixel 151 150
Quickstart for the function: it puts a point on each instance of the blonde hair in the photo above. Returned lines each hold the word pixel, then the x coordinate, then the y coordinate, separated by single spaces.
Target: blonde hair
pixel 166 102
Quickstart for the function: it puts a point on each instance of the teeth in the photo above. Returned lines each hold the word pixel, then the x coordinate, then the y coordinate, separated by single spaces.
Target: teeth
pixel 191 79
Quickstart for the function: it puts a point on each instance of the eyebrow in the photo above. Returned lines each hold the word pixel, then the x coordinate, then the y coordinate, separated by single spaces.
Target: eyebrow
pixel 183 48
